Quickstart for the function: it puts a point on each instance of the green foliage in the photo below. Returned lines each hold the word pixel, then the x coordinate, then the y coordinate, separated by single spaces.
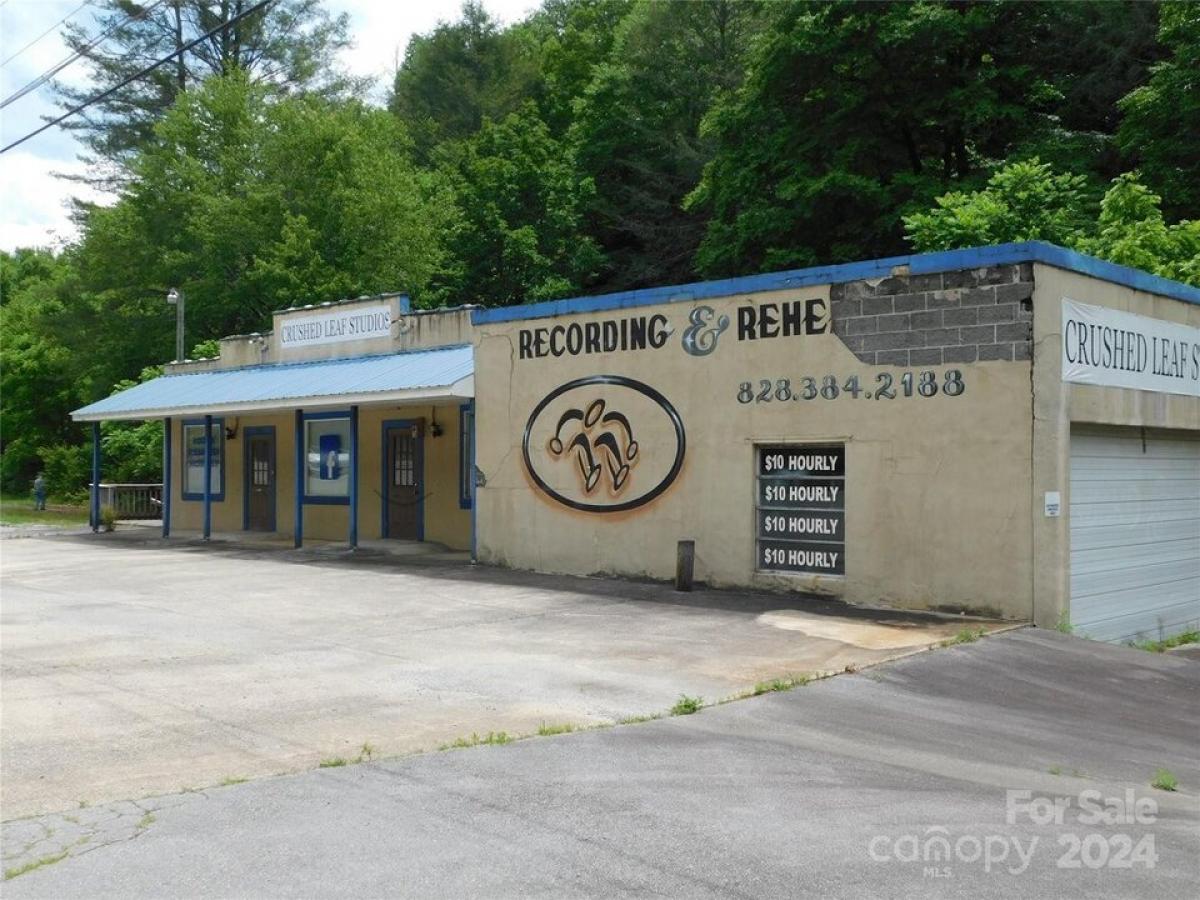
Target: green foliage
pixel 851 111
pixel 1162 646
pixel 520 204
pixel 1027 201
pixel 1023 201
pixel 1161 128
pixel 68 469
pixel 1164 780
pixel 637 132
pixel 686 706
pixel 108 517
pixel 460 75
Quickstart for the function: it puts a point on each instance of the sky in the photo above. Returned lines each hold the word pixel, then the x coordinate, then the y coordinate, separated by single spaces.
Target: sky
pixel 33 199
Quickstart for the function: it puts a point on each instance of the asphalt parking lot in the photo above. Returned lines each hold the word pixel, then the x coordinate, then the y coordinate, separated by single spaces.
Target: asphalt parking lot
pixel 133 668
pixel 937 775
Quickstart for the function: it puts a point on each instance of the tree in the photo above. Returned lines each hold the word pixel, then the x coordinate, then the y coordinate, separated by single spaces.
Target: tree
pixel 637 132
pixel 290 45
pixel 1161 128
pixel 1023 201
pixel 249 204
pixel 520 206
pixel 462 73
pixel 850 112
pixel 1027 201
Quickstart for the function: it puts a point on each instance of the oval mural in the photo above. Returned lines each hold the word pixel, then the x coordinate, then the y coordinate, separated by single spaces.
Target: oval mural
pixel 605 443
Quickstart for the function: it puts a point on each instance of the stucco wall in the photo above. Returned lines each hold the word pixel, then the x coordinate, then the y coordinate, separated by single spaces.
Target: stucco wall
pixel 444 521
pixel 936 491
pixel 1057 404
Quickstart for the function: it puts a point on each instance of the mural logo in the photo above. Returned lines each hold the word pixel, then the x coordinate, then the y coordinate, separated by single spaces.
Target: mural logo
pixel 580 446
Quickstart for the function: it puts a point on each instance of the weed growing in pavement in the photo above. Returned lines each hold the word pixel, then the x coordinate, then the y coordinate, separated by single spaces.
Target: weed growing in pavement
pixel 1055 770
pixel 780 684
pixel 1188 637
pixel 492 737
pixel 686 706
pixel 35 864
pixel 637 720
pixel 1164 780
pixel 366 752
pixel 545 730
pixel 966 636
pixel 231 780
pixel 1064 624
pixel 332 762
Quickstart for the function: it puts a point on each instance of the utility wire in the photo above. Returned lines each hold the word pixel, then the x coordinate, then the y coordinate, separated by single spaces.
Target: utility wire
pixel 91 44
pixel 44 33
pixel 132 78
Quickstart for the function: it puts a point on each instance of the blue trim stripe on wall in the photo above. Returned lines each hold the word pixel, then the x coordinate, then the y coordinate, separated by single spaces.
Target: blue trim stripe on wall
pixel 918 264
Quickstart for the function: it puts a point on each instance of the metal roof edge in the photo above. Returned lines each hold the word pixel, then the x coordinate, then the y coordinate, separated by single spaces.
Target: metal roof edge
pixel 917 263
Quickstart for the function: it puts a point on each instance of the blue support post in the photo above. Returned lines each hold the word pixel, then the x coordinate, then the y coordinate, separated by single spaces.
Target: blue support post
pixel 94 510
pixel 299 515
pixel 166 495
pixel 353 477
pixel 474 491
pixel 207 477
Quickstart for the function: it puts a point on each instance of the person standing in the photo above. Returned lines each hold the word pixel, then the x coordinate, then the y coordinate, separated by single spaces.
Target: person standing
pixel 39 491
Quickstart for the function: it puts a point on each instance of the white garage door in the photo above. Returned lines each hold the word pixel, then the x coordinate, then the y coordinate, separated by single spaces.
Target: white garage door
pixel 1135 534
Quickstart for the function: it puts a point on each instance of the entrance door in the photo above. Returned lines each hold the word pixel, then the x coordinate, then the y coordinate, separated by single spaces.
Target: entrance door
pixel 260 479
pixel 402 459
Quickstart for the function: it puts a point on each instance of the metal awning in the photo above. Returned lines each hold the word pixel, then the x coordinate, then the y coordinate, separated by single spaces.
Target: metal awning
pixel 445 373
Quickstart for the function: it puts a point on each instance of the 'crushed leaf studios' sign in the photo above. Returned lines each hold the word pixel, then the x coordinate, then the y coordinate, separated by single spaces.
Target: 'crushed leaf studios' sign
pixel 355 324
pixel 1120 349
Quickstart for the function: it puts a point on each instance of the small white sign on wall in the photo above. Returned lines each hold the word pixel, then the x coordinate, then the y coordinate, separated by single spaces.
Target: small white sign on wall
pixel 353 324
pixel 1053 504
pixel 1113 348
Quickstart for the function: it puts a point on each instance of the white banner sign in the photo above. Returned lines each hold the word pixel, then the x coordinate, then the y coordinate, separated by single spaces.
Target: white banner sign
pixel 1120 349
pixel 354 324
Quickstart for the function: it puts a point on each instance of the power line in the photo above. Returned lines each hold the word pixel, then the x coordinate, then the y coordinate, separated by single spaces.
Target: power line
pixel 91 44
pixel 44 33
pixel 146 71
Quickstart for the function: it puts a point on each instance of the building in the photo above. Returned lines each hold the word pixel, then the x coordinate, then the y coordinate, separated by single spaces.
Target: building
pixel 1009 430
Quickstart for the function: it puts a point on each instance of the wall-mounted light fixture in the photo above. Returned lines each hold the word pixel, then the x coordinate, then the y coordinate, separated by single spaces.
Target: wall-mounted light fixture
pixel 435 430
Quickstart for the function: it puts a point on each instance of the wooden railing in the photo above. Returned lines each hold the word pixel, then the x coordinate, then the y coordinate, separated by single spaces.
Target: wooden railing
pixel 133 501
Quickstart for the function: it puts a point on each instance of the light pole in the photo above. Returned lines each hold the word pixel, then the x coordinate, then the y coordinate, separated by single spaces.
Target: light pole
pixel 175 299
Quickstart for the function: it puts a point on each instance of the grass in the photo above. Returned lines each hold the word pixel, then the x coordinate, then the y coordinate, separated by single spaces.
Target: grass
pixel 686 706
pixel 146 821
pixel 1188 637
pixel 1164 780
pixel 780 684
pixel 231 780
pixel 1055 770
pixel 545 730
pixel 492 737
pixel 637 720
pixel 1063 624
pixel 965 636
pixel 16 509
pixel 35 864
pixel 333 762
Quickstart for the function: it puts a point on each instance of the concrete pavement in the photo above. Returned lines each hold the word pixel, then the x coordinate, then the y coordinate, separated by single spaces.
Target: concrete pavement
pixel 133 666
pixel 828 790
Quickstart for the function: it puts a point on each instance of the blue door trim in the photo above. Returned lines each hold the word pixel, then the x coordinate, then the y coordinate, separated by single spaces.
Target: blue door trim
pixel 397 425
pixel 247 433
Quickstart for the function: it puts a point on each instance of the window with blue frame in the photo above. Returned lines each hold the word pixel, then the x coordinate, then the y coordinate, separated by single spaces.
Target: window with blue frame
pixel 193 459
pixel 327 457
pixel 466 434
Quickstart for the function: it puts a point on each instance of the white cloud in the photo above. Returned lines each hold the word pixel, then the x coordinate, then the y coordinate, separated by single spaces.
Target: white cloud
pixel 34 203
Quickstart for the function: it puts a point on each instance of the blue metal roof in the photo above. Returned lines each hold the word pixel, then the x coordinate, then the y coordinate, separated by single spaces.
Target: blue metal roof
pixel 918 263
pixel 419 374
